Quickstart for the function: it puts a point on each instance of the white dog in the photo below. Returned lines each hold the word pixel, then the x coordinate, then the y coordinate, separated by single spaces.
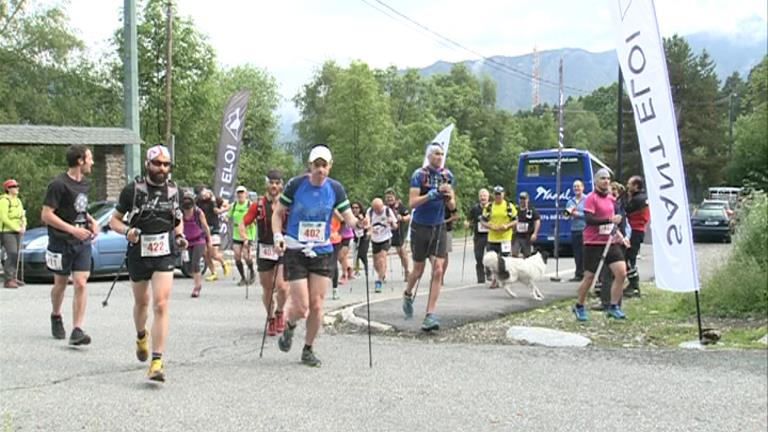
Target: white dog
pixel 507 270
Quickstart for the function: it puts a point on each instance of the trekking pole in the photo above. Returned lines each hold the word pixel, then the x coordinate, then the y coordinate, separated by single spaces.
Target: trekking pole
pixel 602 261
pixel 368 307
pixel 114 281
pixel 269 310
pixel 464 256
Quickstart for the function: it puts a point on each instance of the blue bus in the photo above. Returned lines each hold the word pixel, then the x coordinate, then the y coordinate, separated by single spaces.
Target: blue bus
pixel 537 175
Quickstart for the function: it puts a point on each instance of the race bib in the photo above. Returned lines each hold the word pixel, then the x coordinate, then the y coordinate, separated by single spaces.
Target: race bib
pixel 312 232
pixel 605 229
pixel 482 228
pixel 155 245
pixel 380 233
pixel 53 260
pixel 215 239
pixel 506 247
pixel 267 252
pixel 522 227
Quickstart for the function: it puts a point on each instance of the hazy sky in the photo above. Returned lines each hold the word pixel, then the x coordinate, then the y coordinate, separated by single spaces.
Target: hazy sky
pixel 291 38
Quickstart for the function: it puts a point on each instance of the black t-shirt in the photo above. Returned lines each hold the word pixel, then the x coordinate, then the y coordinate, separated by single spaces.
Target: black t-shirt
pixel 69 199
pixel 474 218
pixel 155 211
pixel 400 209
pixel 208 207
pixel 449 214
pixel 528 216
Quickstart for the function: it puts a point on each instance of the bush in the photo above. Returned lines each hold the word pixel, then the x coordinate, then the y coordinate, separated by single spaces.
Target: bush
pixel 740 287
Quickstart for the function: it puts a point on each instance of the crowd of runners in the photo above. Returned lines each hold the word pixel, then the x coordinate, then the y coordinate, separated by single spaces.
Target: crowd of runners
pixel 300 233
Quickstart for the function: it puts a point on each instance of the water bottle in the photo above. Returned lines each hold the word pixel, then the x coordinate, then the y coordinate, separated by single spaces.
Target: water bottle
pixel 185 255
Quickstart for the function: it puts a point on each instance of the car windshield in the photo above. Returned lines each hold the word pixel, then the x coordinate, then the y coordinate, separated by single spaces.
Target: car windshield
pixel 714 204
pixel 103 212
pixel 709 213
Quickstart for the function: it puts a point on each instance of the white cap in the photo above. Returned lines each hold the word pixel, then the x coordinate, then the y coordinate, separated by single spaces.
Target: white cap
pixel 157 151
pixel 320 152
pixel 241 188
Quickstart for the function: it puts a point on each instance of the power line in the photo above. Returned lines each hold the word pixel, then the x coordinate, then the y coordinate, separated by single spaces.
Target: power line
pixel 499 66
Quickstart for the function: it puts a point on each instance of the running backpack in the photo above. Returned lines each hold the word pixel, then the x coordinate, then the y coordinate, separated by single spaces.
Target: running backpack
pixel 488 207
pixel 425 186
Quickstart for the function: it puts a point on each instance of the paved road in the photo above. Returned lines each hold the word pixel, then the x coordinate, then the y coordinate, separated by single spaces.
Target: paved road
pixel 217 382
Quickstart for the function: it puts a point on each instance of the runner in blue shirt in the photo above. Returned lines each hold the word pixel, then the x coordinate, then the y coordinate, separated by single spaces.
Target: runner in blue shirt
pixel 430 194
pixel 310 201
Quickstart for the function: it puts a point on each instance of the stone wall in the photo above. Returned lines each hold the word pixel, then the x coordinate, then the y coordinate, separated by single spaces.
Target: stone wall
pixel 110 179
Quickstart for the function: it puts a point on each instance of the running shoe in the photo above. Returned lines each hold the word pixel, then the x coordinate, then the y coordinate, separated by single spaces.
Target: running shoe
pixel 57 327
pixel 242 282
pixel 227 269
pixel 377 286
pixel 335 294
pixel 309 358
pixel 79 337
pixel 430 323
pixel 280 321
pixel 156 371
pixel 213 277
pixel 286 339
pixel 407 306
pixel 142 347
pixel 196 292
pixel 271 327
pixel 580 312
pixel 614 311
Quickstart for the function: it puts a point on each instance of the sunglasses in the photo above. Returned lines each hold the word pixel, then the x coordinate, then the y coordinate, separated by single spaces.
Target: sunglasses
pixel 161 163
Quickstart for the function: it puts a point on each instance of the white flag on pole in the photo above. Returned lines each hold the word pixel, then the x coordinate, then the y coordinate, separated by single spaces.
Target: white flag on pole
pixel 643 63
pixel 444 139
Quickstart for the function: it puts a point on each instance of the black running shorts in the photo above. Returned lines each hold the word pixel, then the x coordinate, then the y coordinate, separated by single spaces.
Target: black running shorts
pixel 592 254
pixel 428 240
pixel 380 247
pixel 73 257
pixel 298 266
pixel 141 269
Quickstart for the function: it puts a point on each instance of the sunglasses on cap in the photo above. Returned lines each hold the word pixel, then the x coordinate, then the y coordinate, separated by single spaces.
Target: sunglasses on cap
pixel 158 163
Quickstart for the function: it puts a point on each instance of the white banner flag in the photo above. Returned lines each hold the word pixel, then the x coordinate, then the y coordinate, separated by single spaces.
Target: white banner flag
pixel 641 57
pixel 444 139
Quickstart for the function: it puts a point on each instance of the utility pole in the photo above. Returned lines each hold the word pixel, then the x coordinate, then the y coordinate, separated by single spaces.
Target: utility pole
pixel 619 129
pixel 131 89
pixel 168 68
pixel 730 123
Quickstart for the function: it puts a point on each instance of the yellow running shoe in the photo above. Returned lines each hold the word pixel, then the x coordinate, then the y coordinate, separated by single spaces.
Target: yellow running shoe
pixel 227 269
pixel 211 277
pixel 156 371
pixel 142 347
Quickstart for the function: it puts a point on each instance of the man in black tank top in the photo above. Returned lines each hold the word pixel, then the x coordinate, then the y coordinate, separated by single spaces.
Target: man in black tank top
pixel 155 235
pixel 70 231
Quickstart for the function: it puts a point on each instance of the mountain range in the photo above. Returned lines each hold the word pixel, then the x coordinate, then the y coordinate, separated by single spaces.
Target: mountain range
pixel 584 71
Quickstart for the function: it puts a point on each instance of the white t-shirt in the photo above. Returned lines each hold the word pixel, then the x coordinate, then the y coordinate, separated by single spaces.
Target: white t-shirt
pixel 381 231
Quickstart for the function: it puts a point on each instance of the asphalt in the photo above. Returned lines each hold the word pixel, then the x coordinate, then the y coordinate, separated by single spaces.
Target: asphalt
pixel 216 380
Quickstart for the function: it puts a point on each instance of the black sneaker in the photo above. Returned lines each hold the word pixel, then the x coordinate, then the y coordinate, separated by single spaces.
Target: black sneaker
pixel 309 358
pixel 79 337
pixel 57 327
pixel 286 339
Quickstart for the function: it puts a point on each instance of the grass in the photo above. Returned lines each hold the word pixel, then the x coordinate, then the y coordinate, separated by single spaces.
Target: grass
pixel 654 320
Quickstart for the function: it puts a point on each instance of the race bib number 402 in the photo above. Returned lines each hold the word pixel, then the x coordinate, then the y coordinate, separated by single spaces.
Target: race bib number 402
pixel 311 232
pixel 155 245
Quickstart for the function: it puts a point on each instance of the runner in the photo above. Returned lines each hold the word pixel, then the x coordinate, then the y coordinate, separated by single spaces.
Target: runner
pixel 268 263
pixel 347 235
pixel 527 228
pixel 601 219
pixel 480 232
pixel 309 200
pixel 198 236
pixel 638 215
pixel 499 218
pixel 241 246
pixel 362 239
pixel 70 232
pixel 155 234
pixel 575 210
pixel 212 210
pixel 336 244
pixel 383 223
pixel 451 216
pixel 398 235
pixel 431 192
pixel 13 223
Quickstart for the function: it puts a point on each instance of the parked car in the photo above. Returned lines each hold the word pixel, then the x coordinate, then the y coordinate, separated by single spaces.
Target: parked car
pixel 718 204
pixel 107 252
pixel 711 223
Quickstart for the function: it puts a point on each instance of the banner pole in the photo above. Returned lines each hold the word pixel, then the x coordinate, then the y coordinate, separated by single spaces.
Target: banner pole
pixel 698 315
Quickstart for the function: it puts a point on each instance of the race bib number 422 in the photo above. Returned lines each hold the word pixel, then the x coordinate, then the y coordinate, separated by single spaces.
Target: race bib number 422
pixel 311 232
pixel 155 245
